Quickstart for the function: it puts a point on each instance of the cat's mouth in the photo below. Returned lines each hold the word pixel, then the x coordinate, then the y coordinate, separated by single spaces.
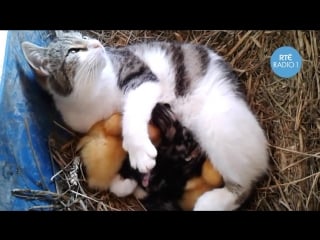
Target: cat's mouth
pixel 146 179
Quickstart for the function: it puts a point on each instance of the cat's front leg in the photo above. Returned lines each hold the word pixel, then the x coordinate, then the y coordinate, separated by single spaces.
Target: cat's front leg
pixel 138 105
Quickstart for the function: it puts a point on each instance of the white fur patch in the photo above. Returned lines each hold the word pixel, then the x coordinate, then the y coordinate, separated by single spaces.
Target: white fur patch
pixel 137 113
pixel 122 187
pixel 220 199
pixel 95 97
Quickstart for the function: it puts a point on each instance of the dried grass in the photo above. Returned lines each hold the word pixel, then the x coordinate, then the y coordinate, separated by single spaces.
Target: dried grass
pixel 288 110
pixel 72 185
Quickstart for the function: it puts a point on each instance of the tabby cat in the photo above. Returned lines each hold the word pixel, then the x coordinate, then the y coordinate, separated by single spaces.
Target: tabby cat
pixel 90 82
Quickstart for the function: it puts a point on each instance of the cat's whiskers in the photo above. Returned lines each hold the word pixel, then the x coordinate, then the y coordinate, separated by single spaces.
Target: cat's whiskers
pixel 87 73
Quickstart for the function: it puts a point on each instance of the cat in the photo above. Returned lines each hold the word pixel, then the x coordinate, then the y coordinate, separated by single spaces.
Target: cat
pixel 181 175
pixel 90 82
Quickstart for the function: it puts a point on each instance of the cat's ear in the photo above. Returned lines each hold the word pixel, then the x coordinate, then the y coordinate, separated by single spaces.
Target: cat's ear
pixel 35 56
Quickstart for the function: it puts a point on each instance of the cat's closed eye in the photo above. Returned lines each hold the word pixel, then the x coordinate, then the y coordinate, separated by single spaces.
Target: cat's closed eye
pixel 85 37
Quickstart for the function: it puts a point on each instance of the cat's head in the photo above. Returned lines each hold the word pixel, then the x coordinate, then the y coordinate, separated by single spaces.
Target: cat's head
pixel 69 62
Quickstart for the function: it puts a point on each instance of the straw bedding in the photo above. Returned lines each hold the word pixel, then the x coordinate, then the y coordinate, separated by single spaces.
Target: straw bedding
pixel 288 110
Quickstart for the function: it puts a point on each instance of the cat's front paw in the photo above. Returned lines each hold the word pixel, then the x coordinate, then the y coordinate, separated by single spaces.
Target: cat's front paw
pixel 122 187
pixel 141 156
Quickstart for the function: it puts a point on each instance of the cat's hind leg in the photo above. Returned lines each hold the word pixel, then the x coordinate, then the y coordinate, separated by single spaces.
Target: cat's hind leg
pixel 230 197
pixel 235 143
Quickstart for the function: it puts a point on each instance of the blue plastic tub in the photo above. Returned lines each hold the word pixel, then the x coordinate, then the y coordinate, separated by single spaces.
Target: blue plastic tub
pixel 27 115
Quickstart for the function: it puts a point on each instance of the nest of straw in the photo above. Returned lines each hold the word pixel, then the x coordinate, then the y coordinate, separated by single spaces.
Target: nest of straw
pixel 72 189
pixel 288 110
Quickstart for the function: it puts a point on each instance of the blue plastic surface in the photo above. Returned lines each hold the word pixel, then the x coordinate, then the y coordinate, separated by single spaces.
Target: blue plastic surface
pixel 27 114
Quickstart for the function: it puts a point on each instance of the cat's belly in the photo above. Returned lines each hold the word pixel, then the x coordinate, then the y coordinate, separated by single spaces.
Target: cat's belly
pixel 187 110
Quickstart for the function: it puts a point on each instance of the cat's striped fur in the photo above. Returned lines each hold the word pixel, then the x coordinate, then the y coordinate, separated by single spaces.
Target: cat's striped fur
pixel 89 82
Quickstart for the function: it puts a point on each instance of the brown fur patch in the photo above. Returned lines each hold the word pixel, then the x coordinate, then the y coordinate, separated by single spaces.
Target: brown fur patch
pixel 154 134
pixel 210 178
pixel 194 188
pixel 211 175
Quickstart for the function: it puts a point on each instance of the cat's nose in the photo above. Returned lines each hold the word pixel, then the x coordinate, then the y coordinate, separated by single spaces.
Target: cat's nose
pixel 94 44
